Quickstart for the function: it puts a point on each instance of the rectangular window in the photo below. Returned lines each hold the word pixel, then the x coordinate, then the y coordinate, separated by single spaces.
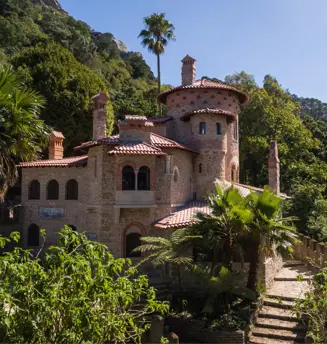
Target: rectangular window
pixel 203 128
pixel 235 130
pixel 218 128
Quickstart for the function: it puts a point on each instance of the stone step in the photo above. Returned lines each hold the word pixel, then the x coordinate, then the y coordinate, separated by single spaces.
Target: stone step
pixel 278 303
pixel 289 290
pixel 276 297
pixel 262 340
pixel 293 263
pixel 278 334
pixel 290 279
pixel 281 324
pixel 277 313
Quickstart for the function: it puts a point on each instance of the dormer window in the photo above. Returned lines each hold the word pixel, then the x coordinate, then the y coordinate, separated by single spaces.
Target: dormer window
pixel 218 129
pixel 202 128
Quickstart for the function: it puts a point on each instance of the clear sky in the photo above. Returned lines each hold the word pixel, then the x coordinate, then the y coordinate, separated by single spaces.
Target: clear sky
pixel 284 38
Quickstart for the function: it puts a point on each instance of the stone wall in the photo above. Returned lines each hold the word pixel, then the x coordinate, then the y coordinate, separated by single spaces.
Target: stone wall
pixel 73 209
pixel 181 177
pixel 310 251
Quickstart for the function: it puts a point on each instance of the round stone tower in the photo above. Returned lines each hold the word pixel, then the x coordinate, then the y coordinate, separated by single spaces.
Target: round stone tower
pixel 206 118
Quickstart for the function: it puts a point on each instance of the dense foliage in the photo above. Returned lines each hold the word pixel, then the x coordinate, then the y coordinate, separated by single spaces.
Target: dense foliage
pixel 273 114
pixel 22 133
pixel 78 294
pixel 68 62
pixel 314 308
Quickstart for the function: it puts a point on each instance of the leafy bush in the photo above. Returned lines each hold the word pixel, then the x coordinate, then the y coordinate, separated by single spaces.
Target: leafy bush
pixel 78 293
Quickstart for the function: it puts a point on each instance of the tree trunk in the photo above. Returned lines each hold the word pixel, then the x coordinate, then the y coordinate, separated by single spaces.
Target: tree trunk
pixel 253 271
pixel 159 82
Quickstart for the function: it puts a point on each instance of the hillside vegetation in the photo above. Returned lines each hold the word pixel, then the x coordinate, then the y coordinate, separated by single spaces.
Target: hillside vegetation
pixel 68 62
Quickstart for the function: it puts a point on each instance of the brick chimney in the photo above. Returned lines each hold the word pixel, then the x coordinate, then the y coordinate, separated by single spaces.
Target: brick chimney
pixel 188 70
pixel 56 149
pixel 99 116
pixel 273 168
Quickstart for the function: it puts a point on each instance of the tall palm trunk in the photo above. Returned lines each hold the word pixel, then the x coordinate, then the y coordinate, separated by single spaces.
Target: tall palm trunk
pixel 159 82
pixel 253 270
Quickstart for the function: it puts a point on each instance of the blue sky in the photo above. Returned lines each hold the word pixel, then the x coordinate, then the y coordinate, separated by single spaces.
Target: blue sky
pixel 284 38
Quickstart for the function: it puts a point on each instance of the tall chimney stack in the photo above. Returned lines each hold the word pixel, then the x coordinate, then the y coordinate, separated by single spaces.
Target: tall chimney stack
pixel 56 149
pixel 273 168
pixel 99 116
pixel 188 70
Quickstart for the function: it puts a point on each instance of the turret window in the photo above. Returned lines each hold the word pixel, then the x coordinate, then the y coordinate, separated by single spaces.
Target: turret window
pixel 235 130
pixel 233 174
pixel 200 168
pixel 218 128
pixel 203 128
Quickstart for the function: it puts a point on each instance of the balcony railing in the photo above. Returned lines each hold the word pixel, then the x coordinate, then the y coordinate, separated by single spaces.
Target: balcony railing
pixel 135 198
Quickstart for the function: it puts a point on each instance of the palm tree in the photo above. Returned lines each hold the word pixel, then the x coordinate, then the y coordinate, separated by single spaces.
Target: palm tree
pixel 268 230
pixel 22 133
pixel 225 226
pixel 156 36
pixel 173 250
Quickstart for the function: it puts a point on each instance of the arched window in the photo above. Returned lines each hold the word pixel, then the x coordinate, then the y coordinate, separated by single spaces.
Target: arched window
pixel 233 174
pixel 128 178
pixel 235 130
pixel 72 189
pixel 72 227
pixel 218 128
pixel 132 240
pixel 34 190
pixel 202 128
pixel 200 168
pixel 176 174
pixel 53 190
pixel 33 235
pixel 143 178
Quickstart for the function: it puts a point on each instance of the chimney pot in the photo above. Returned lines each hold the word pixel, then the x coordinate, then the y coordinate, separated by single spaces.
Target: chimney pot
pixel 188 70
pixel 100 116
pixel 56 149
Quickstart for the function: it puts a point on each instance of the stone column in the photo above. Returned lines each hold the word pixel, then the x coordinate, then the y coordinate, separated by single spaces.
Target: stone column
pixel 273 168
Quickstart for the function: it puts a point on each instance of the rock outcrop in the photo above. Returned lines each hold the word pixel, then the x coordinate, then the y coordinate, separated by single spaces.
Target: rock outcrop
pixel 51 3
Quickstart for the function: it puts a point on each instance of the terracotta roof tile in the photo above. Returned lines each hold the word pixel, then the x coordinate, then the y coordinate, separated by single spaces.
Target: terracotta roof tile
pixel 160 120
pixel 110 140
pixel 66 162
pixel 163 142
pixel 136 148
pixel 183 216
pixel 203 83
pixel 135 118
pixel 156 140
pixel 187 116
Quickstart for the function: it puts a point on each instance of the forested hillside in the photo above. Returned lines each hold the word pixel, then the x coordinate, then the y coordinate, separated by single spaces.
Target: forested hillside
pixel 68 62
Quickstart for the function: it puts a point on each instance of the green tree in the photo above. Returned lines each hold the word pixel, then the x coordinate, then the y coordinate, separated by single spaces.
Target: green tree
pixel 156 36
pixel 78 293
pixel 22 133
pixel 172 251
pixel 68 87
pixel 225 226
pixel 268 230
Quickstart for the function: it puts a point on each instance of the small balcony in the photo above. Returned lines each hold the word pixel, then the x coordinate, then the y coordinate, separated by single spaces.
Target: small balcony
pixel 135 198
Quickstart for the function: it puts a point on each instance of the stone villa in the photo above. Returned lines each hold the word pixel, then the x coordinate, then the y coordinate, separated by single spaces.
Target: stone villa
pixel 152 177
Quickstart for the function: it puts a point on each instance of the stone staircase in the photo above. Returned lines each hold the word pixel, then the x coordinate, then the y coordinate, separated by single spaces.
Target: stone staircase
pixel 276 322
